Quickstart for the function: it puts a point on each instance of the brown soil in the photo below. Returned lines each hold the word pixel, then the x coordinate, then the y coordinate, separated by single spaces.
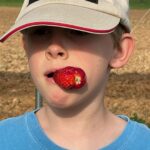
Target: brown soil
pixel 128 90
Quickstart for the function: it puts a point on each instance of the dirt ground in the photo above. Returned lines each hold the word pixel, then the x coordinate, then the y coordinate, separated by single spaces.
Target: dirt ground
pixel 128 89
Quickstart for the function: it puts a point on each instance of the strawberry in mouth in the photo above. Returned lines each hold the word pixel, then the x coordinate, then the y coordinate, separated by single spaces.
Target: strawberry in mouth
pixel 69 77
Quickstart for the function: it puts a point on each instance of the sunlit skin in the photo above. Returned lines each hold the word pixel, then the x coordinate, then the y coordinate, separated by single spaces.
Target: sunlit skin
pixel 58 48
pixel 51 48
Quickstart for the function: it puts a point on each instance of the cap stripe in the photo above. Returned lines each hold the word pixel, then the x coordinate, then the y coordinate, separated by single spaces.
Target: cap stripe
pixel 55 24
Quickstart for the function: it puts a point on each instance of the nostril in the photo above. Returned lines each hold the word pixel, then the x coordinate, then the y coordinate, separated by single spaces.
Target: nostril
pixel 55 53
pixel 61 54
pixel 49 53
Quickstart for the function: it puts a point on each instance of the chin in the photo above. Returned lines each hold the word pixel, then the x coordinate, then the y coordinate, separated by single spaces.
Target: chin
pixel 56 97
pixel 61 100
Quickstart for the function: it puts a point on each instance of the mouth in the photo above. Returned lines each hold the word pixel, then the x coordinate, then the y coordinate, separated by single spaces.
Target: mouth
pixel 67 78
pixel 50 75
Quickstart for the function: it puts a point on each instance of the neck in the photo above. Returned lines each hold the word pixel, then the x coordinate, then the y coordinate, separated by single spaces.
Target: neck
pixel 78 117
pixel 85 128
pixel 89 112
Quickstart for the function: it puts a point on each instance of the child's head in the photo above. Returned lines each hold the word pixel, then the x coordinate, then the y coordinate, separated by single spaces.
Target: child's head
pixel 89 34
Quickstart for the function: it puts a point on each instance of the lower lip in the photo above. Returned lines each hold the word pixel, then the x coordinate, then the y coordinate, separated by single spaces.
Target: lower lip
pixel 50 80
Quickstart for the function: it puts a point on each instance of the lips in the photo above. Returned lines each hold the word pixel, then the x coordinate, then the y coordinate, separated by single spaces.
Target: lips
pixel 67 78
pixel 49 73
pixel 49 76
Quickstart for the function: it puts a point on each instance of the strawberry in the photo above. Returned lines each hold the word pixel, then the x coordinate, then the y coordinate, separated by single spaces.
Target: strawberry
pixel 70 77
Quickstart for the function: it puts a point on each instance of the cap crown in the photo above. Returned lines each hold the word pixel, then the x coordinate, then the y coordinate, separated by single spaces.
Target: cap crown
pixel 117 8
pixel 93 16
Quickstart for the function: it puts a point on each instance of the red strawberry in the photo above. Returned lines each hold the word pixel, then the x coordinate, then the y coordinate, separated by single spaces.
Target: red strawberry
pixel 70 78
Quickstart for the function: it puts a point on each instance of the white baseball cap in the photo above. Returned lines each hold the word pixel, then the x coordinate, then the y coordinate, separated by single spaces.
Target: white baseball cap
pixel 93 16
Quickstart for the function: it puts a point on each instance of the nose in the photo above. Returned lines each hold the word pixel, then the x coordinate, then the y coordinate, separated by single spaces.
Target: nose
pixel 56 48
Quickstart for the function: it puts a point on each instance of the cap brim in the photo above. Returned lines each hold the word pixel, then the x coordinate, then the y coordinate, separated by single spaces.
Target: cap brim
pixel 62 15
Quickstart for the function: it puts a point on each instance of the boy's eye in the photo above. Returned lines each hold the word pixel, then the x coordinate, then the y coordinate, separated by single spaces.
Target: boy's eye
pixel 41 31
pixel 78 33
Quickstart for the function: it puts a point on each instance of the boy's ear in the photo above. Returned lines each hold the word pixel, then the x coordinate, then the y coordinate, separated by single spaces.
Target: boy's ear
pixel 121 56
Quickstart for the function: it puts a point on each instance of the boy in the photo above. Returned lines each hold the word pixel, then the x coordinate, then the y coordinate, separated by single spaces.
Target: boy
pixel 71 47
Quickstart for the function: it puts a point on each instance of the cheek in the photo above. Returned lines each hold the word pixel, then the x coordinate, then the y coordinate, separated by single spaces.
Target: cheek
pixel 35 63
pixel 100 51
pixel 95 62
pixel 94 56
pixel 36 66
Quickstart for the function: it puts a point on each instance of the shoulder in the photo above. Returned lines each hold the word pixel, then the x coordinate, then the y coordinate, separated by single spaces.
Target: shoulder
pixel 12 121
pixel 13 126
pixel 139 136
pixel 136 135
pixel 142 130
pixel 136 127
pixel 15 133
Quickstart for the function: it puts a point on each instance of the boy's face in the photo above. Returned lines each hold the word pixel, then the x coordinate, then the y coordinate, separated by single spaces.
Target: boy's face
pixel 50 48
